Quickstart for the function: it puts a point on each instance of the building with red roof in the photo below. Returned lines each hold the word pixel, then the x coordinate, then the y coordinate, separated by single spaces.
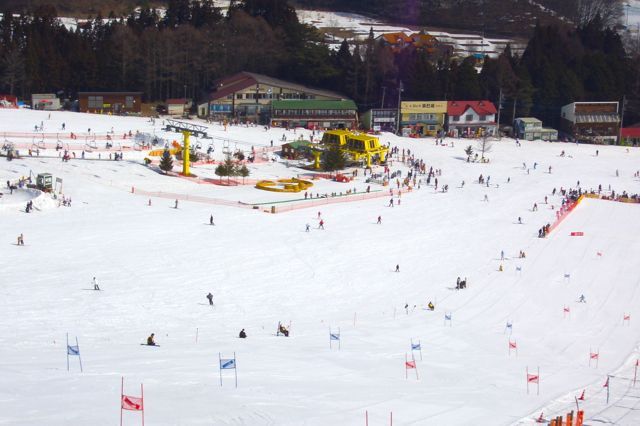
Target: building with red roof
pixel 471 118
pixel 630 135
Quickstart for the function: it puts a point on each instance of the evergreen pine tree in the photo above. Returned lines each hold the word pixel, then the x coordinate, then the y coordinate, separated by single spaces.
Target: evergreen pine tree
pixel 166 163
pixel 334 159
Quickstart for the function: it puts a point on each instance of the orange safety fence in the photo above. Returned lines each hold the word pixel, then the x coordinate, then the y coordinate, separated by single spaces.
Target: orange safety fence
pixel 267 207
pixel 564 212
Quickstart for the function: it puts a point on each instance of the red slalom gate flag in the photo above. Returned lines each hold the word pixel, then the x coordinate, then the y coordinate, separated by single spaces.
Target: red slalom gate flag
pixel 594 355
pixel 626 317
pixel 132 403
pixel 567 310
pixel 581 398
pixel 532 378
pixel 410 364
pixel 513 345
pixel 599 253
pixel 606 384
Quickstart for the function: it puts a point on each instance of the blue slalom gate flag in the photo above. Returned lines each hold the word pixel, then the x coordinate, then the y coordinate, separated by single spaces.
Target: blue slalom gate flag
pixel 509 325
pixel 73 350
pixel 415 347
pixel 447 317
pixel 519 268
pixel 335 336
pixel 227 364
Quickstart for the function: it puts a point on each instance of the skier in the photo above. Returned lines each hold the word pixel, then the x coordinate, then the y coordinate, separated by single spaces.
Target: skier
pixel 535 207
pixel 95 284
pixel 211 220
pixel 519 220
pixel 20 240
pixel 321 224
pixel 150 340
pixel 501 258
pixel 397 268
pixel 242 334
pixel 307 228
pixel 391 202
pixel 149 204
pixel 210 297
pixel 582 299
pixel 379 220
pixel 175 206
pixel 486 198
pixel 549 169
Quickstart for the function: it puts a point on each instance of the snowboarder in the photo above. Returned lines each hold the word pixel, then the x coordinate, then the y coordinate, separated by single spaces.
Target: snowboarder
pixel 211 220
pixel 431 306
pixel 175 206
pixel 379 220
pixel 150 340
pixel 397 268
pixel 20 240
pixel 210 298
pixel 95 284
pixel 242 334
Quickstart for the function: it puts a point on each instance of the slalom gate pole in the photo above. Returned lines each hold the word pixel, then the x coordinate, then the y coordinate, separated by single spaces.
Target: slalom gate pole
pixel 121 393
pixel 538 381
pixel 196 334
pixel 142 398
pixel 220 367
pixel 79 355
pixel 67 349
pixel 235 368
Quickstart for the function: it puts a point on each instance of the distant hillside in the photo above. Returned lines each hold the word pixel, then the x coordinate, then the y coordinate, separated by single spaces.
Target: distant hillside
pixel 80 8
pixel 504 17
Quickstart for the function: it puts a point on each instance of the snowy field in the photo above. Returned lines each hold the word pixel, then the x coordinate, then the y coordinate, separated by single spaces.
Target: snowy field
pixel 155 264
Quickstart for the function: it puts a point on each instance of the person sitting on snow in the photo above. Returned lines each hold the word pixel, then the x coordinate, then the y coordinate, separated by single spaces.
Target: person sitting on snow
pixel 150 340
pixel 431 306
pixel 242 334
pixel 282 329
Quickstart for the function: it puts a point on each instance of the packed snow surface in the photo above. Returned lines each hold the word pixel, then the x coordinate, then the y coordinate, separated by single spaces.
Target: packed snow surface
pixel 155 264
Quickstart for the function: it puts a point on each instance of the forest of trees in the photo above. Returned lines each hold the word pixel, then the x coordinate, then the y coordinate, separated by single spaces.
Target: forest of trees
pixel 193 44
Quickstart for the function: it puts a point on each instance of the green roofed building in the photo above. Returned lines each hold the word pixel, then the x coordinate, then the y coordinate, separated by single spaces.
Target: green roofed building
pixel 314 114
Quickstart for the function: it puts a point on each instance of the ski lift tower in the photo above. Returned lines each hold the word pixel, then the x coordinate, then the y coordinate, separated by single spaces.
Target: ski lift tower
pixel 187 129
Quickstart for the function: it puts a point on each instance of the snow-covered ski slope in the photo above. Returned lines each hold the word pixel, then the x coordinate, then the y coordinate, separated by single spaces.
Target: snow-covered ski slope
pixel 155 264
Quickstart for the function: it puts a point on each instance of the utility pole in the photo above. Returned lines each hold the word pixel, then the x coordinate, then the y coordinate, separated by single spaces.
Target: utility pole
pixel 513 118
pixel 384 89
pixel 499 109
pixel 624 101
pixel 400 89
